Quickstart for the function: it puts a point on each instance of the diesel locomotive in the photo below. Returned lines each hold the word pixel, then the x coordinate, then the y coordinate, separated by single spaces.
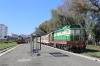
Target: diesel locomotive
pixel 20 40
pixel 67 38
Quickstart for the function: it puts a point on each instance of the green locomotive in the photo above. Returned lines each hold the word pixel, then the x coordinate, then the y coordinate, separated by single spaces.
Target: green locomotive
pixel 68 38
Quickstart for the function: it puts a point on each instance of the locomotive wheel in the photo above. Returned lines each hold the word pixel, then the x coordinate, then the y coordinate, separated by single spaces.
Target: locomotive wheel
pixel 83 48
pixel 66 48
pixel 59 46
pixel 51 45
pixel 54 45
pixel 62 47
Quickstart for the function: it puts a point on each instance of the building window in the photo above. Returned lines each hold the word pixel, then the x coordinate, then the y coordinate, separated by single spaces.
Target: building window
pixel 5 36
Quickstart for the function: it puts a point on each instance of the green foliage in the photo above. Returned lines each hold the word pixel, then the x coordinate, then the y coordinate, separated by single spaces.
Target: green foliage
pixel 92 50
pixel 5 45
pixel 44 27
pixel 57 21
pixel 74 12
pixel 6 41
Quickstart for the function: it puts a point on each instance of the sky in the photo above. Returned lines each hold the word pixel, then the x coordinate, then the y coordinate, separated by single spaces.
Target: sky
pixel 22 16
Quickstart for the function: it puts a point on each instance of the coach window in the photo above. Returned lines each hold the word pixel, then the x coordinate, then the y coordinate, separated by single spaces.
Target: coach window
pixel 72 32
pixel 5 36
pixel 77 32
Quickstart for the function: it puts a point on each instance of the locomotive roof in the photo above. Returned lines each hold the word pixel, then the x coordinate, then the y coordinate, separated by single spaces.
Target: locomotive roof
pixel 67 27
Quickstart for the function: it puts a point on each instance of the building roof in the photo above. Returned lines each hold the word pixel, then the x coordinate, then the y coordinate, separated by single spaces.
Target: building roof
pixel 38 32
pixel 2 25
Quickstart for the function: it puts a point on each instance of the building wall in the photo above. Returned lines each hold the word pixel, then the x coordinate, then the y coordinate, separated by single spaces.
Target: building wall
pixel 3 31
pixel 11 35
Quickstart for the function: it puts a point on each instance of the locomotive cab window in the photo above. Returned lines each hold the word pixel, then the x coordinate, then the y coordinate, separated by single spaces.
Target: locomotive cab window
pixel 75 32
pixel 72 32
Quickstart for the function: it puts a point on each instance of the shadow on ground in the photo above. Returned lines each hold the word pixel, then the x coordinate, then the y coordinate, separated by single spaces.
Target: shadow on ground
pixel 58 54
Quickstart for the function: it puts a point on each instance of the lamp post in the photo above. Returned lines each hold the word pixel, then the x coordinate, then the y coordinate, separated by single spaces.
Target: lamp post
pixel 31 44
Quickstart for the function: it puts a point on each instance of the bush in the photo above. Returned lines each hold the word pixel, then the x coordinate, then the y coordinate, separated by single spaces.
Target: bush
pixel 7 41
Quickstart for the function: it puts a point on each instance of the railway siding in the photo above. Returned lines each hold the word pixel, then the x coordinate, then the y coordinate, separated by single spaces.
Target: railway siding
pixel 6 46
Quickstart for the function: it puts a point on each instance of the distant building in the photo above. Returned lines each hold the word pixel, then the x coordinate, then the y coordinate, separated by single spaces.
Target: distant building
pixel 3 31
pixel 24 36
pixel 11 35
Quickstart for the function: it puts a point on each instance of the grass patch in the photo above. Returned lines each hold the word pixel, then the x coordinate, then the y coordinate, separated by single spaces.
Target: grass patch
pixel 5 45
pixel 92 50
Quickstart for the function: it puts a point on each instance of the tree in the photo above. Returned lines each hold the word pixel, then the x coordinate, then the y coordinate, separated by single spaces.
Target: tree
pixel 87 9
pixel 85 13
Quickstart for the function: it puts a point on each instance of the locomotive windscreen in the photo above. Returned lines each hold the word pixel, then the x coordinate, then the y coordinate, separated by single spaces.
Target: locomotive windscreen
pixel 19 37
